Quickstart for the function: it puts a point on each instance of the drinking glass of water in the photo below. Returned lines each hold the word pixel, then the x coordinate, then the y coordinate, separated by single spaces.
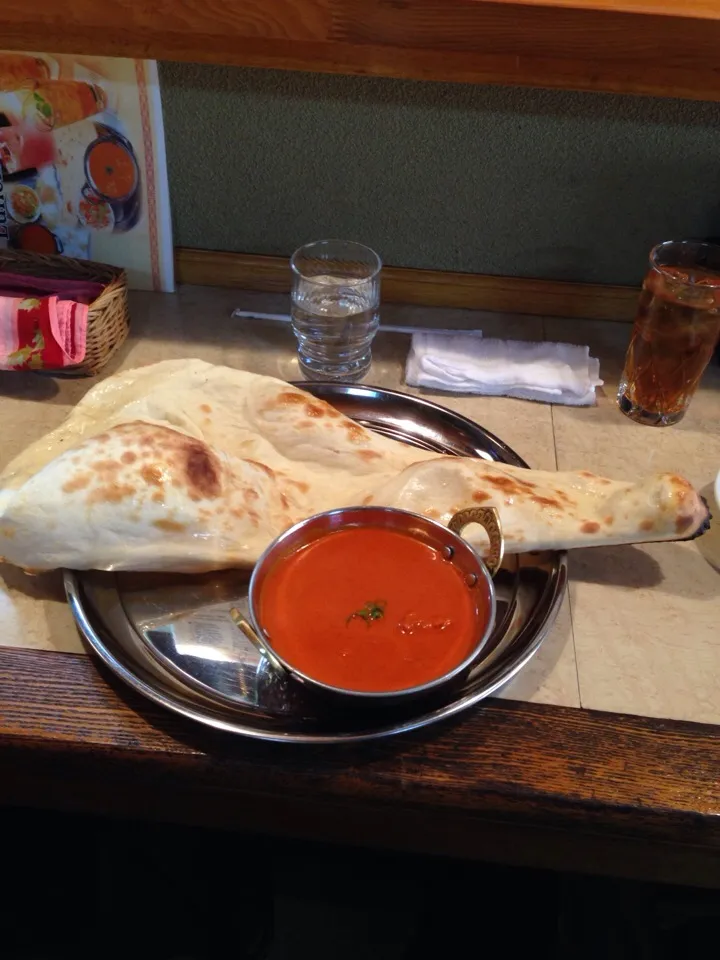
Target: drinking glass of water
pixel 335 308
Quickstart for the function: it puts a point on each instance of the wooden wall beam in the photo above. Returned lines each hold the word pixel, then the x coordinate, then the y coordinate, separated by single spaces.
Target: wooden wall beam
pixel 430 288
pixel 658 47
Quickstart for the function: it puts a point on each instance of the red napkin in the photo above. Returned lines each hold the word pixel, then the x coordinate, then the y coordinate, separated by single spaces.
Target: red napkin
pixel 43 323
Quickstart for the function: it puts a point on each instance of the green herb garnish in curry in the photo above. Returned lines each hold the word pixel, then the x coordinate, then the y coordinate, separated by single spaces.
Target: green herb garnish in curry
pixel 373 610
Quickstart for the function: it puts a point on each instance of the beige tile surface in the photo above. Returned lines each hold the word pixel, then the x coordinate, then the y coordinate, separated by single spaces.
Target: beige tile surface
pixel 551 676
pixel 647 618
pixel 33 612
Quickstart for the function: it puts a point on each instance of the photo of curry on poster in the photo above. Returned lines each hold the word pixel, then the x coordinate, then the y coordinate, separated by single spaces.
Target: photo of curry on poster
pixel 82 162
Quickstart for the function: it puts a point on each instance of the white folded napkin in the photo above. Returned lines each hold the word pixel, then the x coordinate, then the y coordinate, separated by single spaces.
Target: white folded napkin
pixel 468 363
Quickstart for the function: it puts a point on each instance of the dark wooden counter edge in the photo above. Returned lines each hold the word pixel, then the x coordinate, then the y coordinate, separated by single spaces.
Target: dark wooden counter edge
pixel 512 782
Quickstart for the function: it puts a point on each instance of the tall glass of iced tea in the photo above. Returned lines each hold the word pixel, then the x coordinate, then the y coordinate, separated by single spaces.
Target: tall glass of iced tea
pixel 676 329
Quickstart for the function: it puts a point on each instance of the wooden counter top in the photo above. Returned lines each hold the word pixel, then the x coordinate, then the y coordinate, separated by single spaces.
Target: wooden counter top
pixel 508 782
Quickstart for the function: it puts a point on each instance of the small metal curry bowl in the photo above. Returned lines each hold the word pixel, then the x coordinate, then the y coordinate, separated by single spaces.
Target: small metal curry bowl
pixel 477 573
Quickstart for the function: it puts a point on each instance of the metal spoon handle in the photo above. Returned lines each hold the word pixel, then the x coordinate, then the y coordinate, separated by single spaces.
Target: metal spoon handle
pixel 245 628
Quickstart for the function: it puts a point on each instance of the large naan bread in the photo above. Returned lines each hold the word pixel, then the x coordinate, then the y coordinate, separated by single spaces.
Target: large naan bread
pixel 184 466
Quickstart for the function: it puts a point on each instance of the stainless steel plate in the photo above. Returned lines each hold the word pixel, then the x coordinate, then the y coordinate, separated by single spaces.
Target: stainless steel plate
pixel 171 638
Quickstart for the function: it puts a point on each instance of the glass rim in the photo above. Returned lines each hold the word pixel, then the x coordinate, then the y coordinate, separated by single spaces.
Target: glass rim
pixel 698 245
pixel 373 268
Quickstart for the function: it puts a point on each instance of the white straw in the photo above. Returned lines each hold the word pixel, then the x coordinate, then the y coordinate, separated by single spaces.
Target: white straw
pixel 386 328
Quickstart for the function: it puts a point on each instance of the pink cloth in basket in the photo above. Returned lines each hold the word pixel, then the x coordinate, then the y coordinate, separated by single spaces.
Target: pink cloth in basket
pixel 17 284
pixel 43 322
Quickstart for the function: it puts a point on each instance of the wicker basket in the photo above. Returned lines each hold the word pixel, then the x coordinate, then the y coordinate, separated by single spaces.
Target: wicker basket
pixel 108 316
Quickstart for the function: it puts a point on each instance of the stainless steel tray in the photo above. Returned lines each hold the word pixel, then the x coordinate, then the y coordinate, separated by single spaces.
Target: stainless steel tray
pixel 171 638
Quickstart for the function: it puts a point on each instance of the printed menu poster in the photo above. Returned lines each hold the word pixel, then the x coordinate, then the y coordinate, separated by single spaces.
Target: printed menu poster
pixel 82 162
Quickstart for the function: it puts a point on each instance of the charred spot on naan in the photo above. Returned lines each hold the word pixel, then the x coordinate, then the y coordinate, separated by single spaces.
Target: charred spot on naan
pixel 704 525
pixel 262 466
pixel 589 526
pixel 170 526
pixel 314 410
pixel 679 484
pixel 589 475
pixel 113 492
pixel 355 433
pixel 78 482
pixel 680 493
pixel 547 501
pixel 312 407
pixel 202 470
pixel 183 458
pixel 683 507
pixel 153 474
pixel 300 485
pixel 238 513
pixel 153 457
pixel 508 484
pixel 516 487
pixel 682 503
pixel 287 398
pixel 683 524
pixel 106 466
